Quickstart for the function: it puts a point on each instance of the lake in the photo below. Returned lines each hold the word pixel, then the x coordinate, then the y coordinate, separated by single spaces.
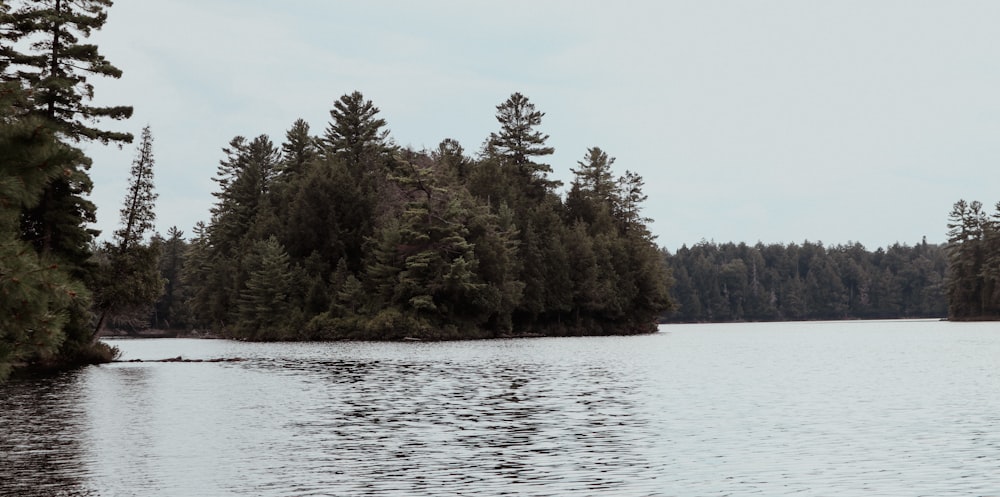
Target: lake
pixel 860 408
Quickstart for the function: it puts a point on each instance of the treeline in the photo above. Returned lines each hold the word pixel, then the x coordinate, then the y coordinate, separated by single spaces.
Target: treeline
pixel 346 235
pixel 730 282
pixel 974 260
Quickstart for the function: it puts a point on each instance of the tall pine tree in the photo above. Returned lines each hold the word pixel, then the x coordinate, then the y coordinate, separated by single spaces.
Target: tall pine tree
pixel 42 51
pixel 38 298
pixel 519 144
pixel 128 277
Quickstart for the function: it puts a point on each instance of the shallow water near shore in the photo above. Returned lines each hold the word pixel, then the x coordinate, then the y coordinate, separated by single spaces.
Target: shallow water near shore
pixel 832 408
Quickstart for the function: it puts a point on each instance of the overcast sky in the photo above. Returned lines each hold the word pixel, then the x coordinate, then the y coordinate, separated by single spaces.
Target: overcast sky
pixel 772 121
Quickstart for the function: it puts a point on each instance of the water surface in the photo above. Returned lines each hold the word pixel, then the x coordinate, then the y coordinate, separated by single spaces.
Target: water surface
pixel 846 408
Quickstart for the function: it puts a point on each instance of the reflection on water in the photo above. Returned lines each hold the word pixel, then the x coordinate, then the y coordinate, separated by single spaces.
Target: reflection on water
pixel 41 438
pixel 897 408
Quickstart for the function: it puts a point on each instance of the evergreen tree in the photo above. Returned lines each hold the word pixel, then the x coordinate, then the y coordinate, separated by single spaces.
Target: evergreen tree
pixel 594 176
pixel 56 68
pixel 356 141
pixel 426 266
pixel 127 279
pixel 58 64
pixel 208 277
pixel 593 193
pixel 298 151
pixel 264 301
pixel 38 297
pixel 518 144
pixel 170 310
pixel 138 215
pixel 356 135
pixel 42 52
pixel 245 178
pixel 630 199
pixel 969 290
pixel 777 282
pixel 452 156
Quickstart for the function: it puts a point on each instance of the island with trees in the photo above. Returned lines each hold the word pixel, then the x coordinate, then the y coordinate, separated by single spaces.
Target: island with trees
pixel 345 235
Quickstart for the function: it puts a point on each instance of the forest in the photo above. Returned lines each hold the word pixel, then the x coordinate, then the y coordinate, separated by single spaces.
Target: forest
pixel 344 235
pixel 973 287
pixel 775 282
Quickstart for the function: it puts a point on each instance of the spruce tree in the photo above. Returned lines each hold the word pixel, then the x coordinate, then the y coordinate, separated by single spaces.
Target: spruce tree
pixel 263 303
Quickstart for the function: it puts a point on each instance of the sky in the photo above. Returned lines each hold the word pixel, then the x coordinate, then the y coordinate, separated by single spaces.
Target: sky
pixel 750 121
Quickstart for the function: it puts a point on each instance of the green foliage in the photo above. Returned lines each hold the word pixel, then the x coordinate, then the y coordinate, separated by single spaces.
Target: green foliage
pixel 517 144
pixel 171 310
pixel 263 302
pixel 58 64
pixel 38 297
pixel 973 283
pixel 737 282
pixel 348 237
pixel 356 135
pixel 45 242
pixel 137 212
pixel 126 276
pixel 127 283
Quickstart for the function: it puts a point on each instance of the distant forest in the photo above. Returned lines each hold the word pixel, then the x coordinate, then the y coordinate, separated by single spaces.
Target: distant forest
pixel 346 235
pixel 739 282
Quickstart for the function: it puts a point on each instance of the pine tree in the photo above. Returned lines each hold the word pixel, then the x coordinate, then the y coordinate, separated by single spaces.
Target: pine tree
pixel 356 135
pixel 245 178
pixel 967 253
pixel 38 297
pixel 58 65
pixel 425 265
pixel 128 277
pixel 263 302
pixel 356 141
pixel 628 205
pixel 298 151
pixel 518 144
pixel 594 175
pixel 206 279
pixel 137 214
pixel 171 311
pixel 451 155
pixel 42 52
pixel 56 69
pixel 593 194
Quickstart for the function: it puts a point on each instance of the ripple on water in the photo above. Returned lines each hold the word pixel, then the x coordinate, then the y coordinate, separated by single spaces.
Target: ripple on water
pixel 803 409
